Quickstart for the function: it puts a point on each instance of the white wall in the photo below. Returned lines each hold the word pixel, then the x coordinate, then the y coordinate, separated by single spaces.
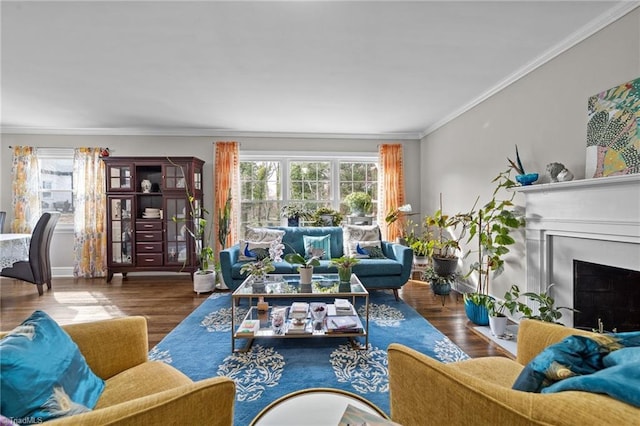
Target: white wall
pixel 201 147
pixel 544 113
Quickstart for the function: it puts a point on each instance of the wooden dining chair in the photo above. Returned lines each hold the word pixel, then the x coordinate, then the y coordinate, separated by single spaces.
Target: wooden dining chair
pixel 36 270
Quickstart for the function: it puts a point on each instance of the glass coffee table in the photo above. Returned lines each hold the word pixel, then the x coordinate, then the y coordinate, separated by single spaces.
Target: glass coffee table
pixel 279 291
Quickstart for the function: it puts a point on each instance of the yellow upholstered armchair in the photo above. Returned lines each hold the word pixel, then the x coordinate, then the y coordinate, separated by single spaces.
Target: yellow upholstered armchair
pixel 139 391
pixel 478 391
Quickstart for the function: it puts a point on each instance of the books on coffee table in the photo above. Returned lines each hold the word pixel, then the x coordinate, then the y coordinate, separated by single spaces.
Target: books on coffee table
pixel 295 327
pixel 248 328
pixel 344 324
pixel 340 308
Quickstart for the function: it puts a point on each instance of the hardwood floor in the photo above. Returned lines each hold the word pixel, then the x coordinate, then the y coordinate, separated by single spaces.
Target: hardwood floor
pixel 165 300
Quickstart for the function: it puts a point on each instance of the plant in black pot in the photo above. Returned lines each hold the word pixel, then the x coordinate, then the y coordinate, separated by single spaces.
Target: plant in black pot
pixel 444 243
pixel 294 212
pixel 491 225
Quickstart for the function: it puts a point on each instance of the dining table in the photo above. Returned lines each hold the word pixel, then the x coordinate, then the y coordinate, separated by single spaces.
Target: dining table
pixel 13 248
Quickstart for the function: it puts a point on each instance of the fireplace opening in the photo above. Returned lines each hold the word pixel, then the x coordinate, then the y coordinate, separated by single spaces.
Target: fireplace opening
pixel 608 294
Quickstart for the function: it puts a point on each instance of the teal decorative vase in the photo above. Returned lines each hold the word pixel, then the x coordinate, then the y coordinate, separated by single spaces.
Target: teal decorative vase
pixel 527 179
pixel 477 314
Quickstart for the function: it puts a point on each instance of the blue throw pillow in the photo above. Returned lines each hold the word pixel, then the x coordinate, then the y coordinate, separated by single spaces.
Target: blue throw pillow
pixel 575 355
pixel 44 375
pixel 318 243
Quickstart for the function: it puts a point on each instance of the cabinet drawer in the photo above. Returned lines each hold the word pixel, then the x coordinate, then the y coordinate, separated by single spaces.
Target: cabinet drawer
pixel 149 259
pixel 144 236
pixel 149 248
pixel 142 225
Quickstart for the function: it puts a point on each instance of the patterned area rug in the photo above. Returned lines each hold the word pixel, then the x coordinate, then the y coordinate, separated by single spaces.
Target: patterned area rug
pixel 200 347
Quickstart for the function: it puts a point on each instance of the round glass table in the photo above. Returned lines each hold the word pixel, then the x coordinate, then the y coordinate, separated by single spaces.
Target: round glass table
pixel 313 407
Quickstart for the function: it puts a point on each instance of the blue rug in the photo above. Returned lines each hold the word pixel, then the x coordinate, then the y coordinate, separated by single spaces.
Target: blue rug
pixel 200 347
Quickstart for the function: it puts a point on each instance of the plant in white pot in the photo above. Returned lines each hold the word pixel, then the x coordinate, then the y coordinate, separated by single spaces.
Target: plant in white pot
pixel 306 265
pixel 196 225
pixel 359 203
pixel 496 308
pixel 258 271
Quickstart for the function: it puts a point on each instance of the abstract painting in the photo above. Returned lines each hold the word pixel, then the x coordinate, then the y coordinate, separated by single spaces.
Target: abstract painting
pixel 613 131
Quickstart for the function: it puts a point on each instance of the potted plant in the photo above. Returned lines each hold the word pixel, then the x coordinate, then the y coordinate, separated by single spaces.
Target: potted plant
pixel 258 270
pixel 306 265
pixel 224 229
pixel 294 212
pixel 440 284
pixel 497 308
pixel 522 177
pixel 326 216
pixel 204 279
pixel 445 245
pixel 491 225
pixel 547 311
pixel 344 265
pixel 359 203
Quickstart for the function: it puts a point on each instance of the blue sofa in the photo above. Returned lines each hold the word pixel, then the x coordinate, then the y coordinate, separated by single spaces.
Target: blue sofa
pixel 392 272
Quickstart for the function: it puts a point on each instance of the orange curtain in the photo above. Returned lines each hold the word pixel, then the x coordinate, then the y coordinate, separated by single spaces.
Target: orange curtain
pixel 391 188
pixel 226 176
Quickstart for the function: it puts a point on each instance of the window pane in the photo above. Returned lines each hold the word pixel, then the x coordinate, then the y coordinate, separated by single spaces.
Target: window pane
pixel 309 182
pixel 260 183
pixel 56 187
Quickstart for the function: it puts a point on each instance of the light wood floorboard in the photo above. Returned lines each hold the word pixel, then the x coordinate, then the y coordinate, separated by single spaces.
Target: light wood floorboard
pixel 165 300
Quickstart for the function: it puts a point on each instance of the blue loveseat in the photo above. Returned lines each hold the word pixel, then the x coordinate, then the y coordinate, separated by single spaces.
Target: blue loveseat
pixel 391 272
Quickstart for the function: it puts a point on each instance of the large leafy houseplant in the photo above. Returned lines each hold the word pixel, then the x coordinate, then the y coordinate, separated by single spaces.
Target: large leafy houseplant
pixel 491 225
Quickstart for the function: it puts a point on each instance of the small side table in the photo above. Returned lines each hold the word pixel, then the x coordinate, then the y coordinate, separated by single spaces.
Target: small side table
pixel 320 406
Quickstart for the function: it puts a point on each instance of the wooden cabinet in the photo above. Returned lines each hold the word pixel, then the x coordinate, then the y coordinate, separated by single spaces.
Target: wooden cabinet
pixel 141 232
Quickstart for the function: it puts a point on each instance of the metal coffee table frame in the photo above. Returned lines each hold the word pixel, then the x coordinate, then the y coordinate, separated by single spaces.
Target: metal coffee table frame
pixel 324 287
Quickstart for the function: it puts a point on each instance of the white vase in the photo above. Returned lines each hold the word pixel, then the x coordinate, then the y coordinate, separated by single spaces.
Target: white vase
pixel 498 325
pixel 204 281
pixel 306 274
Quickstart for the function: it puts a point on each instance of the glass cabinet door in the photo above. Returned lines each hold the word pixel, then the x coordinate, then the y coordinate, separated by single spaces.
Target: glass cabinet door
pixel 175 176
pixel 120 210
pixel 197 178
pixel 178 238
pixel 119 177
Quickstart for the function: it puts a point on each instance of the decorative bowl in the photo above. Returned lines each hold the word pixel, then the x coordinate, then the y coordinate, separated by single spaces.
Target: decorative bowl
pixel 527 179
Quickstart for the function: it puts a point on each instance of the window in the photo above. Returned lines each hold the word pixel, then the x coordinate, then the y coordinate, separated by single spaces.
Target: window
pixel 56 182
pixel 269 182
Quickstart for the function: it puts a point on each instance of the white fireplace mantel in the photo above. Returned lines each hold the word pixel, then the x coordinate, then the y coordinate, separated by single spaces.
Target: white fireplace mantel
pixel 595 220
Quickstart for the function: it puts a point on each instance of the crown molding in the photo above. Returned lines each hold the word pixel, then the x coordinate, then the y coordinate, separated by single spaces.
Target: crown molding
pixel 202 133
pixel 586 31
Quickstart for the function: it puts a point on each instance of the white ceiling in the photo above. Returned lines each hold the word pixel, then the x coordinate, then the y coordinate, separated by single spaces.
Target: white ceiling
pixel 366 69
